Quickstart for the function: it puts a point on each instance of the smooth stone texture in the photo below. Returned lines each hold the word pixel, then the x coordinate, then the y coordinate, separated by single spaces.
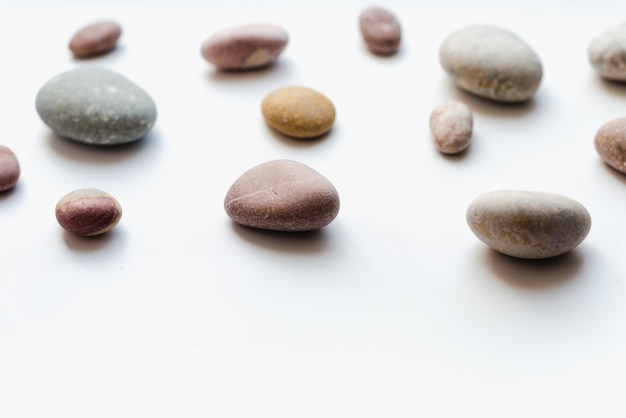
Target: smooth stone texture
pixel 380 30
pixel 9 169
pixel 528 224
pixel 451 124
pixel 282 195
pixel 607 53
pixel 610 142
pixel 96 106
pixel 492 63
pixel 245 47
pixel 88 212
pixel 299 112
pixel 95 39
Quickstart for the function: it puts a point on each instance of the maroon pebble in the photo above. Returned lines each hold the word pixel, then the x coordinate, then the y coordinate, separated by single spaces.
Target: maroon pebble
pixel 282 195
pixel 610 143
pixel 9 169
pixel 95 39
pixel 381 30
pixel 88 212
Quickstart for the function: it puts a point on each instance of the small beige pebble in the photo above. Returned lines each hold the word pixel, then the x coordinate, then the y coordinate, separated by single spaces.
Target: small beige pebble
pixel 380 30
pixel 451 125
pixel 528 224
pixel 9 169
pixel 245 47
pixel 282 195
pixel 610 142
pixel 607 53
pixel 299 112
pixel 95 39
pixel 88 212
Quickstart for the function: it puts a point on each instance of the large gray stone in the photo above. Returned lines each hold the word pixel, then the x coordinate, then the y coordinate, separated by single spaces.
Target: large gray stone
pixel 96 106
pixel 491 62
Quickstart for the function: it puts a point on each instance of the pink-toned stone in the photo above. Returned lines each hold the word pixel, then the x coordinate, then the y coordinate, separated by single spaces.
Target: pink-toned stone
pixel 245 47
pixel 95 39
pixel 88 212
pixel 610 142
pixel 451 125
pixel 282 195
pixel 380 30
pixel 9 169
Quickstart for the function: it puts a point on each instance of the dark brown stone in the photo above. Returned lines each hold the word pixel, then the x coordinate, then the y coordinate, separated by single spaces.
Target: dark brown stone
pixel 95 39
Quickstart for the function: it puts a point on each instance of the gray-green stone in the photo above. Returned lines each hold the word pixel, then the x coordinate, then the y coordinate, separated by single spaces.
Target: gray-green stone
pixel 492 63
pixel 96 106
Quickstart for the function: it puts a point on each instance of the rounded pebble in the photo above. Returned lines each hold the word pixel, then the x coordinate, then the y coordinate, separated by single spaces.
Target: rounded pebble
pixel 9 169
pixel 610 142
pixel 380 30
pixel 282 195
pixel 528 224
pixel 88 212
pixel 245 47
pixel 607 53
pixel 492 63
pixel 299 112
pixel 96 106
pixel 95 39
pixel 451 125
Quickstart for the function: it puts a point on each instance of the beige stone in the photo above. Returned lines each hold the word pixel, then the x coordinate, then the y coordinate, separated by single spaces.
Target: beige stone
pixel 451 125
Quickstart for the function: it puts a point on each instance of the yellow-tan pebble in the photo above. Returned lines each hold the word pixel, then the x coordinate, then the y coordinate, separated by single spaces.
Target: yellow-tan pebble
pixel 298 112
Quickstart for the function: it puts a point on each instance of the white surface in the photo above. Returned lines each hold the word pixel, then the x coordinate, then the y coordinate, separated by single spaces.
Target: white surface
pixel 395 309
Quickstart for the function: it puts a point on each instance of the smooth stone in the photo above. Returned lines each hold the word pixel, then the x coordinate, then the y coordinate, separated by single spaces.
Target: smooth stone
pixel 9 169
pixel 528 224
pixel 451 124
pixel 299 112
pixel 96 106
pixel 610 143
pixel 282 195
pixel 95 39
pixel 88 212
pixel 380 30
pixel 607 53
pixel 492 63
pixel 245 47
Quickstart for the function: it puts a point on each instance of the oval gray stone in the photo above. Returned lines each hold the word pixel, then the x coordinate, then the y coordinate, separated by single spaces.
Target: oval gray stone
pixel 491 62
pixel 610 143
pixel 96 106
pixel 282 195
pixel 607 53
pixel 528 224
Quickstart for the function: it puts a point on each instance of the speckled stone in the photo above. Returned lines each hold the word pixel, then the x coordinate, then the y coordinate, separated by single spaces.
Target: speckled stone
pixel 9 169
pixel 245 47
pixel 380 30
pixel 299 112
pixel 610 142
pixel 282 195
pixel 491 62
pixel 528 224
pixel 96 106
pixel 607 53
pixel 451 124
pixel 88 212
pixel 95 39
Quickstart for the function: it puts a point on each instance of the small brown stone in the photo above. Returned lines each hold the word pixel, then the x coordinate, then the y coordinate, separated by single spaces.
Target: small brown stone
pixel 299 112
pixel 282 195
pixel 88 212
pixel 610 142
pixel 95 39
pixel 9 169
pixel 245 47
pixel 380 30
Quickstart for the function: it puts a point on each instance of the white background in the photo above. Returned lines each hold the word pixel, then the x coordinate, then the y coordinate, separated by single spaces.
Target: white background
pixel 393 310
